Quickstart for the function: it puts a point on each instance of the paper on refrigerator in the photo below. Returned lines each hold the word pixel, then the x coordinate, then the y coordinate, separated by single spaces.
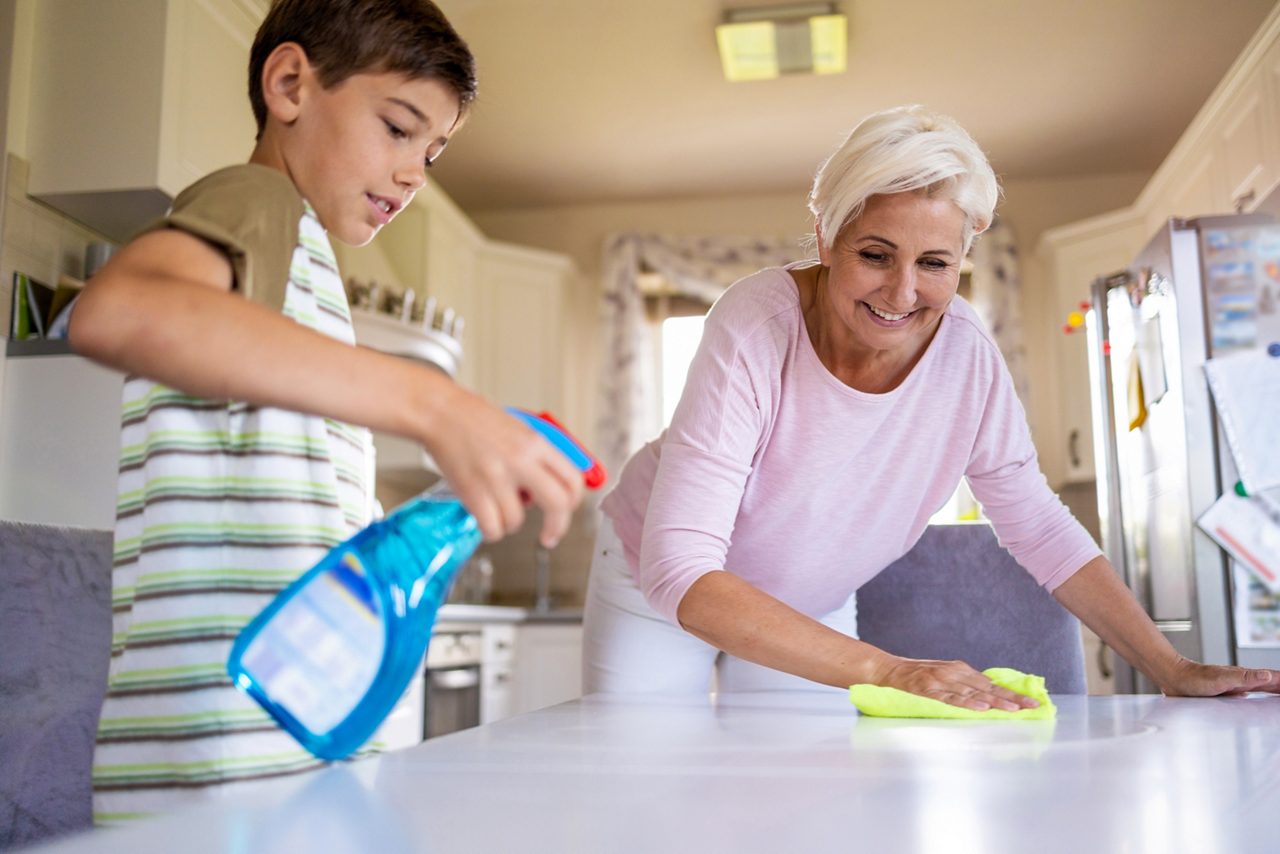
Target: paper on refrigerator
pixel 1246 391
pixel 1249 532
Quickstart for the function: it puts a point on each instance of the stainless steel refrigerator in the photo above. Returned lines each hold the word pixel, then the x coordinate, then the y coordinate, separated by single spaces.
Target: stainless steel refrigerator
pixel 1201 289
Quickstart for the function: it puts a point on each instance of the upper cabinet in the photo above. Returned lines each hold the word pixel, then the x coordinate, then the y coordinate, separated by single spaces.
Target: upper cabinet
pixel 521 330
pixel 1244 143
pixel 133 100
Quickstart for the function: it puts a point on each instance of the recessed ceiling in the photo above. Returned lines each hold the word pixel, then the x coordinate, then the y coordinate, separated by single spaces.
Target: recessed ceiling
pixel 600 100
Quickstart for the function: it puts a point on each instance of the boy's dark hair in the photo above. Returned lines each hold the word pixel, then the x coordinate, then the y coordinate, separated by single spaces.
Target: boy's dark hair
pixel 347 37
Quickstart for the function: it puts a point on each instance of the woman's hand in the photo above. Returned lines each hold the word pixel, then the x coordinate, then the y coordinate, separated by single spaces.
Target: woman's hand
pixel 494 463
pixel 1187 678
pixel 952 682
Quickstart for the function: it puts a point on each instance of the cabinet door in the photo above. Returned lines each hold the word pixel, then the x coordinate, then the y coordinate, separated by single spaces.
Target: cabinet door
pixel 1271 106
pixel 59 441
pixel 1197 191
pixel 452 247
pixel 1246 145
pixel 208 122
pixel 520 328
pixel 547 665
pixel 1076 263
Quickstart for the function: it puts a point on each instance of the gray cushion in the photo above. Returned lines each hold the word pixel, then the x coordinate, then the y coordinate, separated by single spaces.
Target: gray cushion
pixel 958 595
pixel 55 647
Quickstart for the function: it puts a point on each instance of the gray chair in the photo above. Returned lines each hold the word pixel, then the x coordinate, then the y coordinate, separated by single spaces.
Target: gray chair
pixel 55 647
pixel 958 595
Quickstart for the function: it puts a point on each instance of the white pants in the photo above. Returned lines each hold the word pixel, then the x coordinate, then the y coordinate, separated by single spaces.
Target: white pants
pixel 628 648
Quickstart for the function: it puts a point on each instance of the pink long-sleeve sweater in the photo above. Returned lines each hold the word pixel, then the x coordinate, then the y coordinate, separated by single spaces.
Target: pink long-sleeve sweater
pixel 776 471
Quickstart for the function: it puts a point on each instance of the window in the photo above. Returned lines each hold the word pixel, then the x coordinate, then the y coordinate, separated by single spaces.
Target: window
pixel 680 337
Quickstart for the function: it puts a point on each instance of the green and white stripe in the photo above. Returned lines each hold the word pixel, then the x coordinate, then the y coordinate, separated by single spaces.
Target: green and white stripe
pixel 220 506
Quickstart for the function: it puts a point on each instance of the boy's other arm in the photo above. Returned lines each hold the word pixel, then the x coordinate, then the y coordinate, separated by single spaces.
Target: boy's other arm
pixel 162 308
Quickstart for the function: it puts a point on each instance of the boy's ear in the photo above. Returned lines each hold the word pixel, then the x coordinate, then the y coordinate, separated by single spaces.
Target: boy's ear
pixel 285 75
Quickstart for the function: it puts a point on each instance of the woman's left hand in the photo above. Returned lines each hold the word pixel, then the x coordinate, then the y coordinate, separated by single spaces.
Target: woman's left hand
pixel 1189 678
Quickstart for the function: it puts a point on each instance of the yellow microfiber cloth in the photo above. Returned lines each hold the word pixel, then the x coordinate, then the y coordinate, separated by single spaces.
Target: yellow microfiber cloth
pixel 881 702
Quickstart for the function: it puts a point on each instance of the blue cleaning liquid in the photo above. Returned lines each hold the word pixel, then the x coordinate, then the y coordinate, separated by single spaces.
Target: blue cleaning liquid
pixel 332 654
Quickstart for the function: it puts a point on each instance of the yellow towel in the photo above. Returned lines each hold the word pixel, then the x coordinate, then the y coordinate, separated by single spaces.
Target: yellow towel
pixel 881 702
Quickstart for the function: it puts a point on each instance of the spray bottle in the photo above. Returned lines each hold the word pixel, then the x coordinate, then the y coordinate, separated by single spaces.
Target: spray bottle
pixel 331 655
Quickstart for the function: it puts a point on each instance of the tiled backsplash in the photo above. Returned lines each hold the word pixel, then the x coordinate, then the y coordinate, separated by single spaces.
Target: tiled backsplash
pixel 37 239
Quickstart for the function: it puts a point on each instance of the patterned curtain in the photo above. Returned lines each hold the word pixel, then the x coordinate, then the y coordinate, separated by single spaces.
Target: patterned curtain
pixel 996 294
pixel 700 267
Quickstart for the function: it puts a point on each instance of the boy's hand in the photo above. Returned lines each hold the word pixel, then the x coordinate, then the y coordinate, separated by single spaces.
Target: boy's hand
pixel 494 463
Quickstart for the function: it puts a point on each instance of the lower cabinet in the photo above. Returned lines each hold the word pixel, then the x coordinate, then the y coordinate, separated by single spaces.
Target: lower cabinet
pixel 498 641
pixel 547 666
pixel 59 440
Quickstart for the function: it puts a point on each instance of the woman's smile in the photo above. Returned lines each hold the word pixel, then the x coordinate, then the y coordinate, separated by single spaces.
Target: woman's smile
pixel 885 318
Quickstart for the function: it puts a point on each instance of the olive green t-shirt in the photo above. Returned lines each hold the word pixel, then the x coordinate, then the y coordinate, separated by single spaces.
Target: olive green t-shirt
pixel 251 213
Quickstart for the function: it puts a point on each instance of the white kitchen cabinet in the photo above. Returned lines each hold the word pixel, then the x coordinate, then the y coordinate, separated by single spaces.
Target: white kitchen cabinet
pixel 547 667
pixel 1197 190
pixel 1245 145
pixel 519 331
pixel 498 643
pixel 59 440
pixel 1076 255
pixel 133 100
pixel 1270 73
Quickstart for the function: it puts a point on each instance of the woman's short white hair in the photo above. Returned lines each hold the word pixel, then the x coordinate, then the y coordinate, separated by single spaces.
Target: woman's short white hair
pixel 902 150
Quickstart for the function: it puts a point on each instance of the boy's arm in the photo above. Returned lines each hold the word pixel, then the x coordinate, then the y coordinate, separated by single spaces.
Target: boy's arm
pixel 163 308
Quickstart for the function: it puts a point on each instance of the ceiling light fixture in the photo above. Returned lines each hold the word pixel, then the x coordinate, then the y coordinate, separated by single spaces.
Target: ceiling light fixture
pixel 766 42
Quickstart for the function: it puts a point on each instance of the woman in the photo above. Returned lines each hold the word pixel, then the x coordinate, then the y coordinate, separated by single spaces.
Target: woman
pixel 831 409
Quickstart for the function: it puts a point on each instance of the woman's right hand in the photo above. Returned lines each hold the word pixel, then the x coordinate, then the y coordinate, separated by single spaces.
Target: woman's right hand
pixel 952 682
pixel 494 463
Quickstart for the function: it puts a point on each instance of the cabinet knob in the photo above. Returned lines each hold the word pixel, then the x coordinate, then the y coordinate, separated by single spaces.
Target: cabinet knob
pixel 1073 448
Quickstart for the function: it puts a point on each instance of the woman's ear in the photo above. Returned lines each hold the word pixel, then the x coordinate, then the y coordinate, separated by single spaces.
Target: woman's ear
pixel 824 255
pixel 283 76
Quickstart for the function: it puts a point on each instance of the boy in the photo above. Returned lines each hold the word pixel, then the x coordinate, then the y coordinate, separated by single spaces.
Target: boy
pixel 240 466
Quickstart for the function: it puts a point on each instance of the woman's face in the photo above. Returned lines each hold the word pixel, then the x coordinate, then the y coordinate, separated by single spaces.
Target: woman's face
pixel 893 271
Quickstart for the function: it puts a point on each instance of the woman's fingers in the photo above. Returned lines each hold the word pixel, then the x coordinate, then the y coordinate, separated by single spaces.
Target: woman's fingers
pixel 957 684
pixel 1240 680
pixel 1194 679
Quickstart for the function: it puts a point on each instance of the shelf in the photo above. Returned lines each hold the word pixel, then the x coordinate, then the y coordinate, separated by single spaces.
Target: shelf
pixel 38 347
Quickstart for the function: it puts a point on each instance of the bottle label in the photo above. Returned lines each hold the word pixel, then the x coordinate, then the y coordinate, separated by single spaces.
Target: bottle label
pixel 318 655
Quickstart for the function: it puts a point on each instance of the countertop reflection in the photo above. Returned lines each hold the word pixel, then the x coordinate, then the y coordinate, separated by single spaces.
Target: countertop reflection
pixel 772 772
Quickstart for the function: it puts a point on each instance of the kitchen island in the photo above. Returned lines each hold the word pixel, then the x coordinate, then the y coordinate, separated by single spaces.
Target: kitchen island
pixel 776 772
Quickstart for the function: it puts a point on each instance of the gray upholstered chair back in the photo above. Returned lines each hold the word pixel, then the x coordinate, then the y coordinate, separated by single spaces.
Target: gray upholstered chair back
pixel 958 595
pixel 55 647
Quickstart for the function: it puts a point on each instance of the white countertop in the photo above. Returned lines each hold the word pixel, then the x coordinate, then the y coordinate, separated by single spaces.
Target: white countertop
pixel 777 772
pixel 461 613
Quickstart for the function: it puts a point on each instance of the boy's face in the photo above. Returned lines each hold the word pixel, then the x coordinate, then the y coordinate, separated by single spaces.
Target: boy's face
pixel 358 151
